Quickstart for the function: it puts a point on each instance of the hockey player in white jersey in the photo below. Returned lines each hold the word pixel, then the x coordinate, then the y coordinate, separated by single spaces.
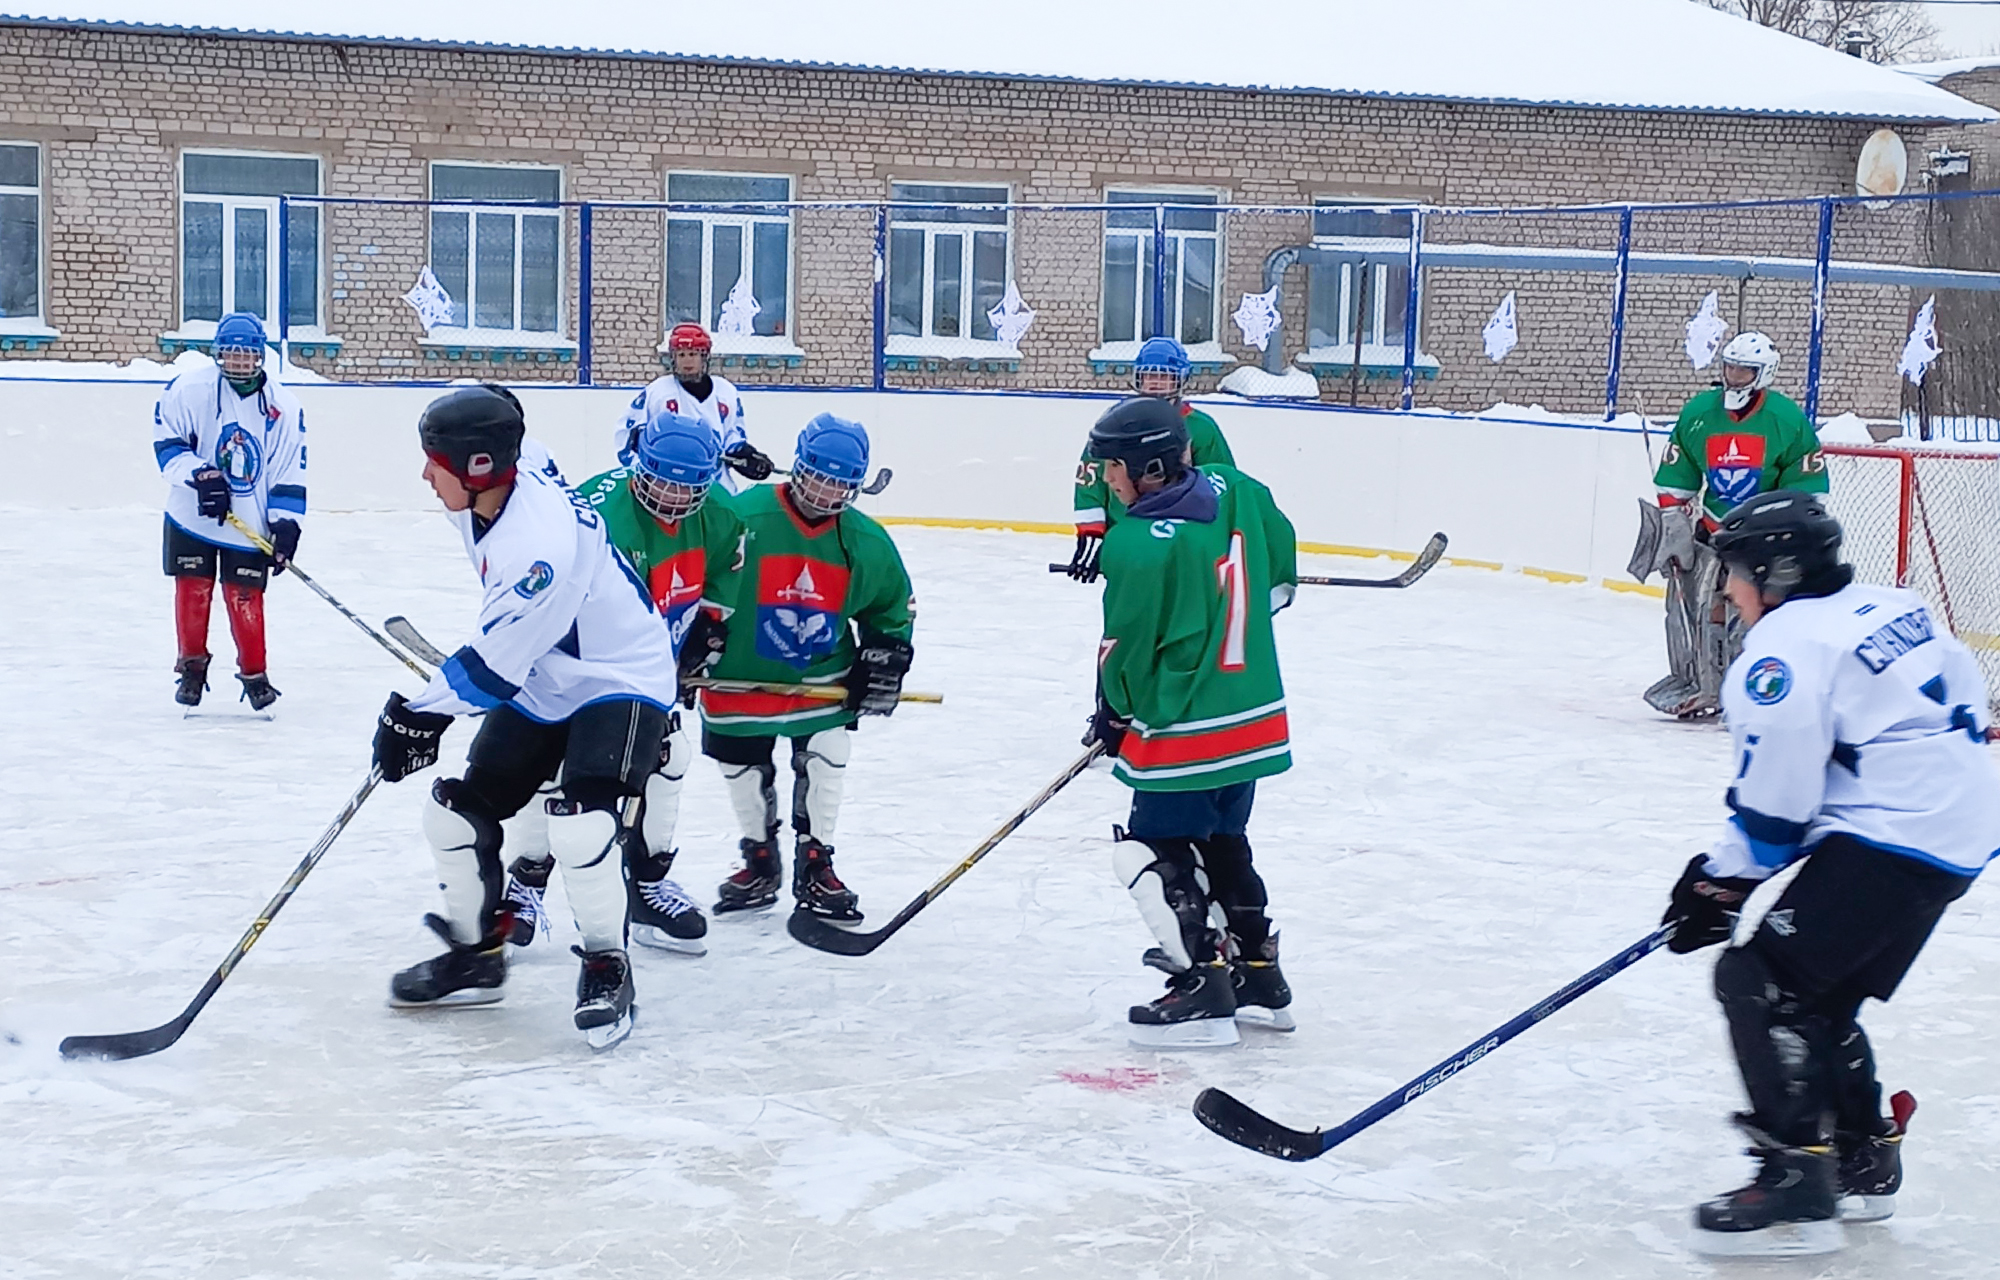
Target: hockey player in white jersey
pixel 230 440
pixel 574 670
pixel 690 391
pixel 1859 728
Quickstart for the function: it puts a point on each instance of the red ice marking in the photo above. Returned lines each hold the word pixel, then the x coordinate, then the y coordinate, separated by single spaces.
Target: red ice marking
pixel 1116 1080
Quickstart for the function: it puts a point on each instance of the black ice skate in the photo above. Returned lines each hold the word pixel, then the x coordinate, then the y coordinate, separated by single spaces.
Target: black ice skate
pixel 755 884
pixel 663 916
pixel 1198 1011
pixel 257 691
pixel 464 975
pixel 815 887
pixel 193 676
pixel 527 881
pixel 1263 998
pixel 1788 1210
pixel 1871 1165
pixel 604 997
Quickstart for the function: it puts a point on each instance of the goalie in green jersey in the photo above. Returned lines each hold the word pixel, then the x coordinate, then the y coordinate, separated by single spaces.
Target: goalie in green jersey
pixel 1192 708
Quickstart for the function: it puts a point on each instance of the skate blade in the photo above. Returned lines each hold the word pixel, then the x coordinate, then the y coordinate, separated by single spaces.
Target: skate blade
pixel 1255 1015
pixel 464 998
pixel 1786 1240
pixel 1867 1208
pixel 737 909
pixel 650 935
pixel 610 1034
pixel 1200 1033
pixel 196 713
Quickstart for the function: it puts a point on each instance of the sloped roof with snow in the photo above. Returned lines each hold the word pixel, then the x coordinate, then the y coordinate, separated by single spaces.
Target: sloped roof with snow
pixel 1932 72
pixel 1636 55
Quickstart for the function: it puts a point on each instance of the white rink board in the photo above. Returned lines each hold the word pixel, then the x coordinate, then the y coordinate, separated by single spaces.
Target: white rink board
pixel 1545 496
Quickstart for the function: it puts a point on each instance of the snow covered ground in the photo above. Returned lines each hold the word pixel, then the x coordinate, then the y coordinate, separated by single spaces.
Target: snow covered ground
pixel 1482 808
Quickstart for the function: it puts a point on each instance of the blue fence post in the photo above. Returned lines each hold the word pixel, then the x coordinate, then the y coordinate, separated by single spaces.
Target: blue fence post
pixel 1622 280
pixel 1410 311
pixel 583 272
pixel 284 282
pixel 1158 329
pixel 881 295
pixel 1818 343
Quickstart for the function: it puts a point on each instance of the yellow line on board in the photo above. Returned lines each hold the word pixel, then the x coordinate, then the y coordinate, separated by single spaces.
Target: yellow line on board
pixel 1636 588
pixel 1553 575
pixel 1463 563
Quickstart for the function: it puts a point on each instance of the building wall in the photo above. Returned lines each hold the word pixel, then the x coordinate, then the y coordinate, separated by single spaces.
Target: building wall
pixel 114 110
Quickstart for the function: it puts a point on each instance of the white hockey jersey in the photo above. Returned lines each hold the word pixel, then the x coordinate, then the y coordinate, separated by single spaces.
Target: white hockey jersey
pixel 258 441
pixel 565 622
pixel 722 411
pixel 1857 713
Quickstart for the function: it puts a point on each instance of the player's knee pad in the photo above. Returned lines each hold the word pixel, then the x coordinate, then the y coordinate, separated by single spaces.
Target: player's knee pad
pixel 585 843
pixel 663 792
pixel 753 795
pixel 527 832
pixel 1171 894
pixel 466 847
pixel 819 778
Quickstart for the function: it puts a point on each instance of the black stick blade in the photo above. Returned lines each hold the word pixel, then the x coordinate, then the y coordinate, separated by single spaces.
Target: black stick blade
pixel 823 935
pixel 129 1044
pixel 1228 1118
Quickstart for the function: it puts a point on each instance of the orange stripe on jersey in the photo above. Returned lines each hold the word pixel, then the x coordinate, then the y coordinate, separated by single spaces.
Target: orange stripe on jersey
pixel 1160 751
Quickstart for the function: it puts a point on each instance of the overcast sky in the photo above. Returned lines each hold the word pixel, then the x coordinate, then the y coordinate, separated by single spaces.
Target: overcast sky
pixel 1967 29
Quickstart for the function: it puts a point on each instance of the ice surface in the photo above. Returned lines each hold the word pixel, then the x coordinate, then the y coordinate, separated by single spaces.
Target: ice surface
pixel 1482 809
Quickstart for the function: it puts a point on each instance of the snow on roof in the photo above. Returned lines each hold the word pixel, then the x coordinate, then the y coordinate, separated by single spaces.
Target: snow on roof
pixel 1644 55
pixel 1932 72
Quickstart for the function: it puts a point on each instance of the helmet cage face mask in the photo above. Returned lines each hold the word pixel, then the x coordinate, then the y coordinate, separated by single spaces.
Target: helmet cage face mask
pixel 1176 381
pixel 819 494
pixel 240 362
pixel 669 500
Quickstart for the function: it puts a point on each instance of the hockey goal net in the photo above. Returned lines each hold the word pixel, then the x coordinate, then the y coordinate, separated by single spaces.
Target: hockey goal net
pixel 1929 520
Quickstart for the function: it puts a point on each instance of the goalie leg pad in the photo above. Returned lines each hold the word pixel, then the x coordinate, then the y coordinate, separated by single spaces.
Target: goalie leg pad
pixel 466 848
pixel 819 778
pixel 1165 879
pixel 585 841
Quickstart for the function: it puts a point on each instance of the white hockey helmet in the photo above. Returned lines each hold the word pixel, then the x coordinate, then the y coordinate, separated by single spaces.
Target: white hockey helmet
pixel 1754 352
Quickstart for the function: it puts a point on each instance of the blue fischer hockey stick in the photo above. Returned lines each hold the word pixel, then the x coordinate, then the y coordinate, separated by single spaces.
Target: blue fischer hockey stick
pixel 1247 1127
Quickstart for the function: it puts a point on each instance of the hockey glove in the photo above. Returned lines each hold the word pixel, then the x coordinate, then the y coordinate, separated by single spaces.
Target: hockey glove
pixel 1083 565
pixel 1107 727
pixel 406 741
pixel 701 650
pixel 875 681
pixel 211 493
pixel 284 544
pixel 1705 906
pixel 748 461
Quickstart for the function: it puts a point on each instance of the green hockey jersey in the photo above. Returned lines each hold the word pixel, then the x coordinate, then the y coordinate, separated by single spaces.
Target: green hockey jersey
pixel 1728 461
pixel 803 591
pixel 1188 653
pixel 1096 506
pixel 687 564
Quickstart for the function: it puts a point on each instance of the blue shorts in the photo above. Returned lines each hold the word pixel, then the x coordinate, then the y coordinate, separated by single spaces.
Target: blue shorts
pixel 1191 815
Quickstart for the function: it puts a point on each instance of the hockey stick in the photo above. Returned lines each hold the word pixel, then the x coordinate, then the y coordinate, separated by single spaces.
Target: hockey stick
pixel 822 935
pixel 137 1044
pixel 1246 1127
pixel 405 630
pixel 1426 560
pixel 263 544
pixel 873 487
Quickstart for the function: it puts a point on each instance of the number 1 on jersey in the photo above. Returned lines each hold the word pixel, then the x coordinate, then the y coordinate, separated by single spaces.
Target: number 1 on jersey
pixel 1229 572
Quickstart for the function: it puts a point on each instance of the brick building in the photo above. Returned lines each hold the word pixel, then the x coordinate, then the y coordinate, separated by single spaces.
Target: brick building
pixel 140 204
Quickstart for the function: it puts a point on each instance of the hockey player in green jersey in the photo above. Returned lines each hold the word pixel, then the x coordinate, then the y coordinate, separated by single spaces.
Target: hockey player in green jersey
pixel 1192 707
pixel 666 516
pixel 822 599
pixel 1161 371
pixel 1731 443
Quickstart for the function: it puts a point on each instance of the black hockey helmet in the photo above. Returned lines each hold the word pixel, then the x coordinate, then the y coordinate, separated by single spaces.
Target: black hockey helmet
pixel 1147 434
pixel 1785 542
pixel 474 433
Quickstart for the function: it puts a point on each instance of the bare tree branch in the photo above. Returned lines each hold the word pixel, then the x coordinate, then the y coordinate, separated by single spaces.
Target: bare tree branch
pixel 1895 32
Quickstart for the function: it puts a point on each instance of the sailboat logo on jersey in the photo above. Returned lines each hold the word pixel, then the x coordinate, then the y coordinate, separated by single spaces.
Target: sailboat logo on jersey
pixel 239 457
pixel 800 604
pixel 1735 466
pixel 677 587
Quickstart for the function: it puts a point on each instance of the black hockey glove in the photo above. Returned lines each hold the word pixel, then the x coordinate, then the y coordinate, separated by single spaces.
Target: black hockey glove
pixel 1083 565
pixel 1705 906
pixel 406 741
pixel 701 650
pixel 1107 727
pixel 875 681
pixel 211 493
pixel 284 544
pixel 746 459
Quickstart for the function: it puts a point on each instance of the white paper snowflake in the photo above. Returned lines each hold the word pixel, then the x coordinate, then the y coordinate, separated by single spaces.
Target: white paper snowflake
pixel 739 311
pixel 431 302
pixel 1922 348
pixel 1011 317
pixel 1704 333
pixel 1257 318
pixel 1500 333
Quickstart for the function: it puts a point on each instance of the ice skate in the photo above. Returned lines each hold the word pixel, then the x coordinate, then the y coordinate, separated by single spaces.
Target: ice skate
pixel 1196 1012
pixel 817 889
pixel 755 884
pixel 1871 1165
pixel 664 917
pixel 1788 1210
pixel 604 1009
pixel 527 881
pixel 464 975
pixel 1681 698
pixel 257 691
pixel 1263 999
pixel 193 676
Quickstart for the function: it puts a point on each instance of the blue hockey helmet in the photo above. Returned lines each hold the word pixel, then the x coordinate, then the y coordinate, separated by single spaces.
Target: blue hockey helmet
pixel 239 344
pixel 1161 356
pixel 678 460
pixel 831 463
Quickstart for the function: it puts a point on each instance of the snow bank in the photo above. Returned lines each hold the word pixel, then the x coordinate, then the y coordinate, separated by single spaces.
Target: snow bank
pixel 1254 384
pixel 139 369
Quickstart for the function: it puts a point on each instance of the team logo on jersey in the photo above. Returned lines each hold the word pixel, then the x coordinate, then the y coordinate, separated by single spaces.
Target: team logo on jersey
pixel 239 457
pixel 539 578
pixel 1767 681
pixel 800 608
pixel 1735 466
pixel 1165 528
pixel 1781 922
pixel 677 587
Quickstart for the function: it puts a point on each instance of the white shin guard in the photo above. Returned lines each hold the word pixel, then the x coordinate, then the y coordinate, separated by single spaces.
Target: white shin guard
pixel 593 875
pixel 454 841
pixel 526 834
pixel 754 798
pixel 819 769
pixel 1144 877
pixel 663 793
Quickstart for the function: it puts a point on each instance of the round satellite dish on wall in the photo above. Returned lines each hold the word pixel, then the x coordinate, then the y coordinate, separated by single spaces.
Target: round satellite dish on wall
pixel 1884 166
